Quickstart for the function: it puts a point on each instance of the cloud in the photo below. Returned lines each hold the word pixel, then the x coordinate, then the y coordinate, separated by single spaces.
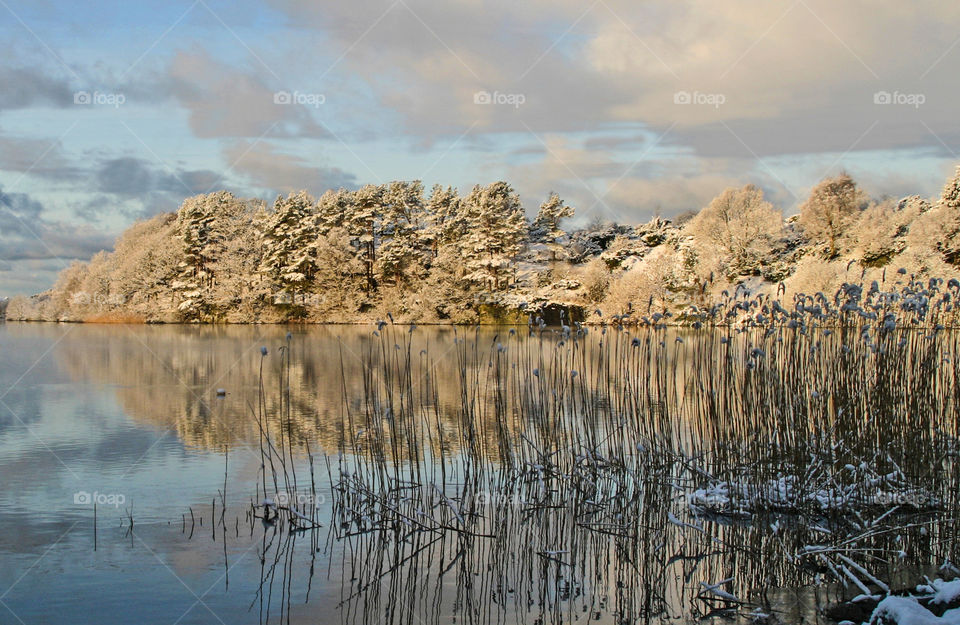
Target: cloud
pixel 427 61
pixel 133 188
pixel 58 241
pixel 27 276
pixel 632 187
pixel 124 176
pixel 26 234
pixel 263 165
pixel 17 212
pixel 669 196
pixel 223 101
pixel 786 77
pixel 30 86
pixel 129 176
pixel 43 158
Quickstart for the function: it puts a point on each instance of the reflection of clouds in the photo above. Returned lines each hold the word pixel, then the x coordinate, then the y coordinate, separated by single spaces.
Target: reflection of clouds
pixel 153 577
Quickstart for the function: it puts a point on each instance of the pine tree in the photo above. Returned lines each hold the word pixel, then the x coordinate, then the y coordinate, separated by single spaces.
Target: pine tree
pixel 339 271
pixel 289 237
pixel 546 227
pixel 444 216
pixel 401 254
pixel 446 226
pixel 204 225
pixel 496 228
pixel 362 225
pixel 333 210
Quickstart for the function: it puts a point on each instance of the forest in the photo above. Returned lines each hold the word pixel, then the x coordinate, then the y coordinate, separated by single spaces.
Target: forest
pixel 394 251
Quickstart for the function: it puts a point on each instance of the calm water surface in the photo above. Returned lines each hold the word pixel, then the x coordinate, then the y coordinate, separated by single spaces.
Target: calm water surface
pixel 130 416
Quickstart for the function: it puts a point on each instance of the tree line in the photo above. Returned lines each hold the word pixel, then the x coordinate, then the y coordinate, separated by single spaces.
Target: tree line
pixel 357 255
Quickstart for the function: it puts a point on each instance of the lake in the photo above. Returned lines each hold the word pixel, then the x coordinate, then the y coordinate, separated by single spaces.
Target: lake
pixel 443 474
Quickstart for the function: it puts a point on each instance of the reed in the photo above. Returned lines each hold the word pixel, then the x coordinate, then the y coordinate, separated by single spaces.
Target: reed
pixel 583 470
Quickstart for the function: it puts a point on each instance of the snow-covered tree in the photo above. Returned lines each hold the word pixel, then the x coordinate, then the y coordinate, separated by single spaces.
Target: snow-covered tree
pixel 546 227
pixel 401 249
pixel 359 254
pixel 340 276
pixel 340 271
pixel 362 224
pixel 204 227
pixel 68 299
pixel 832 207
pixel 939 228
pixel 242 290
pixel 333 210
pixel 950 220
pixel 144 263
pixel 496 229
pixel 289 236
pixel 445 292
pixel 741 225
pixel 950 198
pixel 445 220
pixel 882 232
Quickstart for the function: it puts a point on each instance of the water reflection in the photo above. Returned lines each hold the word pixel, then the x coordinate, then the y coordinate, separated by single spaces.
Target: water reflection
pixel 168 376
pixel 458 473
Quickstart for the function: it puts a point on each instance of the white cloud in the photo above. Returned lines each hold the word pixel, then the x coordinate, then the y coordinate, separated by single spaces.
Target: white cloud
pixel 267 167
pixel 224 101
pixel 783 67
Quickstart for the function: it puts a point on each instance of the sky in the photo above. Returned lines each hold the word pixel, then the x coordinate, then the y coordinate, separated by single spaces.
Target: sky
pixel 112 112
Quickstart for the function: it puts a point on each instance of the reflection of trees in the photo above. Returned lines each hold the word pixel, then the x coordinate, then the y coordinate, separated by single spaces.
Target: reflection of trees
pixel 167 376
pixel 351 388
pixel 594 458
